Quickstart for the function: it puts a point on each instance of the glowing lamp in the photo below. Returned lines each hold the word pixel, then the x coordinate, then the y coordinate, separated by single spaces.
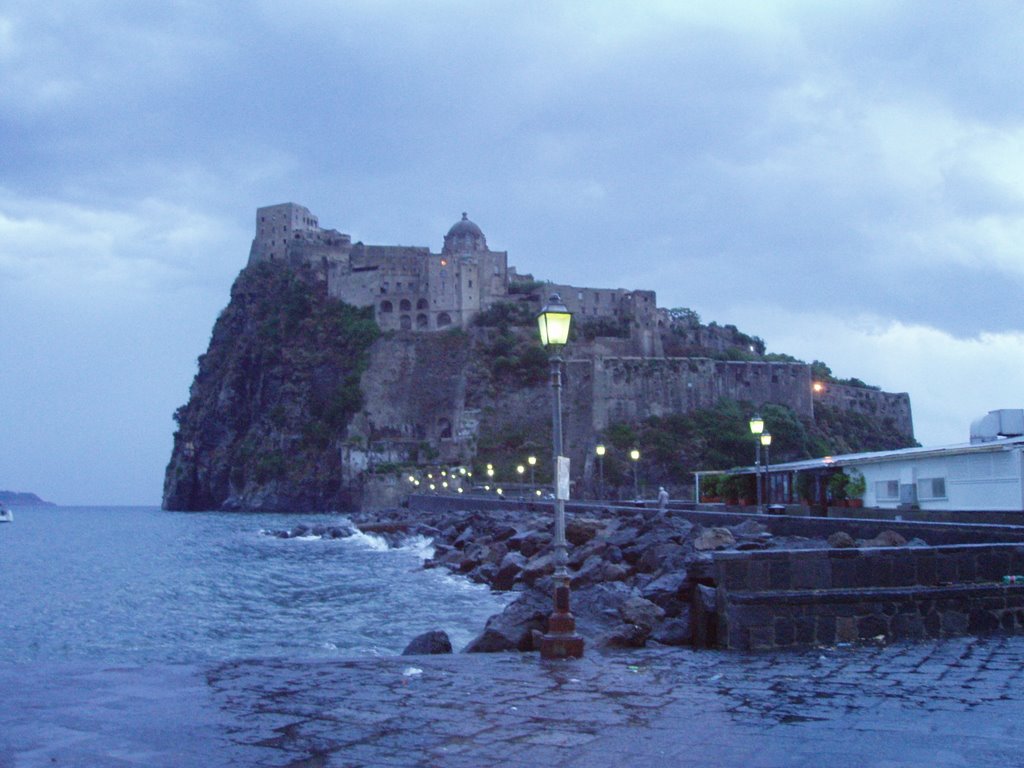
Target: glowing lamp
pixel 553 322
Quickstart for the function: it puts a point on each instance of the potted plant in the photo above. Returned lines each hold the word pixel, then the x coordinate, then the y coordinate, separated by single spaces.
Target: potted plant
pixel 709 488
pixel 837 489
pixel 805 487
pixel 729 488
pixel 856 486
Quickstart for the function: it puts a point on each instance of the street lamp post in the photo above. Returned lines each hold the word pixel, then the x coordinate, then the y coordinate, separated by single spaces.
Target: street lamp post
pixel 600 468
pixel 532 461
pixel 756 428
pixel 561 640
pixel 634 454
pixel 766 441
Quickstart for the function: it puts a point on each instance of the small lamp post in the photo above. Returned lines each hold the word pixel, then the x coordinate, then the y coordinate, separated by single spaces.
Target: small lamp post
pixel 634 454
pixel 520 469
pixel 600 468
pixel 532 461
pixel 561 640
pixel 766 441
pixel 756 428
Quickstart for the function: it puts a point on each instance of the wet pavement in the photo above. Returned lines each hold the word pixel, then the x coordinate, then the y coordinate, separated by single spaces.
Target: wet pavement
pixel 951 703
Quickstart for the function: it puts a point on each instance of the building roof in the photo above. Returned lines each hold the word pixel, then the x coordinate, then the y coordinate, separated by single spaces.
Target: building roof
pixel 464 236
pixel 875 457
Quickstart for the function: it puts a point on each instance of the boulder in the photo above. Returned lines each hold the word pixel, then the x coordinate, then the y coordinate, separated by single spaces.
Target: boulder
pixel 642 612
pixel 590 572
pixel 512 629
pixel 529 542
pixel 432 642
pixel 580 530
pixel 625 636
pixel 713 539
pixel 886 539
pixel 666 588
pixel 841 540
pixel 537 567
pixel 508 571
pixel 675 631
pixel 615 572
pixel 659 557
pixel 579 555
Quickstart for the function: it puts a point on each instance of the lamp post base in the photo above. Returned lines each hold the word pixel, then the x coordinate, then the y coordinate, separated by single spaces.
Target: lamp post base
pixel 561 646
pixel 561 640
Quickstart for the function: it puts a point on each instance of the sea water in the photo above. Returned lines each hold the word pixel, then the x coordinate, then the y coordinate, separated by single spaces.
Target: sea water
pixel 140 585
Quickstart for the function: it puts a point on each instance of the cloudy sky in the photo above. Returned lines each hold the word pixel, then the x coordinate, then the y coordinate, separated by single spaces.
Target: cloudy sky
pixel 844 179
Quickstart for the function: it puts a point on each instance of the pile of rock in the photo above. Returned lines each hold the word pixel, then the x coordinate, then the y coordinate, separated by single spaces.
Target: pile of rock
pixel 636 577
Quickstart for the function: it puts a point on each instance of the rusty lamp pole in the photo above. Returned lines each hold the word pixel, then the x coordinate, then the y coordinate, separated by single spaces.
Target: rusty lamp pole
pixel 561 640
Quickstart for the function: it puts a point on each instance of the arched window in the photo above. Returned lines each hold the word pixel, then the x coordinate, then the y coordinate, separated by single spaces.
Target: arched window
pixel 444 429
pixel 405 305
pixel 406 322
pixel 386 306
pixel 421 320
pixel 422 304
pixel 444 320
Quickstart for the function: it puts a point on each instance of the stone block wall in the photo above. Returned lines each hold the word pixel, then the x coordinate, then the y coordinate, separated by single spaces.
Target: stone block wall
pixel 632 389
pixel 795 598
pixel 887 406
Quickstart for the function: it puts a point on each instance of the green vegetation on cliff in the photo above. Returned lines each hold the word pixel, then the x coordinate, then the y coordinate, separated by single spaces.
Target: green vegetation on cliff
pixel 272 399
pixel 677 445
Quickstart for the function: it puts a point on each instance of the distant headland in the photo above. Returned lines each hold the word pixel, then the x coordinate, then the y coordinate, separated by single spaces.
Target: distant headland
pixel 19 499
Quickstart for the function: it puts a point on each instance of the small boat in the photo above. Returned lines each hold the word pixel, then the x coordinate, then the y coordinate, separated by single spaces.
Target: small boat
pixel 6 516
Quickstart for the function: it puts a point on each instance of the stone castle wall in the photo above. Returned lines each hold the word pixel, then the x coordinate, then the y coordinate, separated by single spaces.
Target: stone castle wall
pixel 887 406
pixel 633 389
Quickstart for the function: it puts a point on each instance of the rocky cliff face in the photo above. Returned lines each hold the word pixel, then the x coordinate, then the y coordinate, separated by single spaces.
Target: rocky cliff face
pixel 274 393
pixel 301 404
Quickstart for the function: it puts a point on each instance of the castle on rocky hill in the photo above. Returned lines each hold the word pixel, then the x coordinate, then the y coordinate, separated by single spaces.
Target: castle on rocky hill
pixel 413 289
pixel 640 360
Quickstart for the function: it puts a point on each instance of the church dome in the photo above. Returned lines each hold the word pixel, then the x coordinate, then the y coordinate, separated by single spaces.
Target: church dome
pixel 464 236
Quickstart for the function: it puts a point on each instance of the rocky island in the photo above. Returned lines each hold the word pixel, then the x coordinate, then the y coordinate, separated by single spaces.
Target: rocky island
pixel 338 367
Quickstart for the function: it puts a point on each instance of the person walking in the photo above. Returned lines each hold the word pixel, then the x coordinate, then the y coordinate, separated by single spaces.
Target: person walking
pixel 662 500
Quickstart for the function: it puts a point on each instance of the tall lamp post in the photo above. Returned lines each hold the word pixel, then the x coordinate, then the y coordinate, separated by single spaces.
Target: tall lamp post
pixel 561 640
pixel 756 428
pixel 532 461
pixel 634 454
pixel 599 450
pixel 766 441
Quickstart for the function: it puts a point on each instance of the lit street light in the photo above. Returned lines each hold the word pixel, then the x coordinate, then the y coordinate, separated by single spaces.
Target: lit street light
pixel 532 461
pixel 561 640
pixel 634 454
pixel 756 428
pixel 599 450
pixel 766 441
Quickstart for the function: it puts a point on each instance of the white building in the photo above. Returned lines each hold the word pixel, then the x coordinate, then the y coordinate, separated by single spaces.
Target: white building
pixel 985 474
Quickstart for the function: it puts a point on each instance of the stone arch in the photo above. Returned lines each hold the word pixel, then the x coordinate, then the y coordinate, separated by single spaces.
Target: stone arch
pixel 386 306
pixel 405 322
pixel 444 428
pixel 405 305
pixel 421 320
pixel 422 304
pixel 444 320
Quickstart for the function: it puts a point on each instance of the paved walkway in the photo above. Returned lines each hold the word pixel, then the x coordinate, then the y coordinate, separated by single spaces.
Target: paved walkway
pixel 951 703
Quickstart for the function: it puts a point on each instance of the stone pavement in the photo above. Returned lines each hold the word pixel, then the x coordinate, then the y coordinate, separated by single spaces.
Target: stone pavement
pixel 945 703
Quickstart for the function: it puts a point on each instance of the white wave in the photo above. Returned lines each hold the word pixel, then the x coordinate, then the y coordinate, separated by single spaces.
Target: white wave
pixel 308 537
pixel 421 546
pixel 411 672
pixel 370 541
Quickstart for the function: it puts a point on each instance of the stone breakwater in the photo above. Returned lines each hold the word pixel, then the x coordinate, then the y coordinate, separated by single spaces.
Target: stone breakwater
pixel 637 577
